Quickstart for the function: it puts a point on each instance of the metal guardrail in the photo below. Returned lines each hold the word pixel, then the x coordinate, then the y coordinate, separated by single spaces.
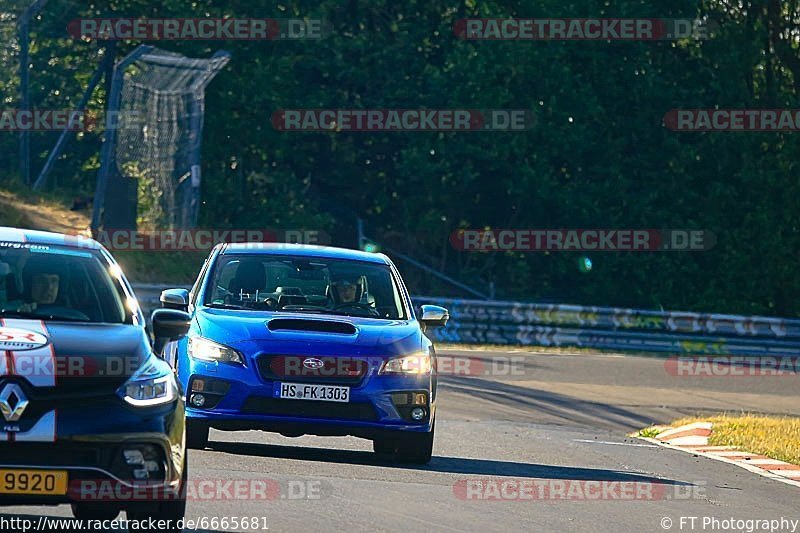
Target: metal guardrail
pixel 515 323
pixel 492 322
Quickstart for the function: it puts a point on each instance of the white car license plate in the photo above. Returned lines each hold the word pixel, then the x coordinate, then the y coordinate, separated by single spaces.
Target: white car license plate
pixel 309 391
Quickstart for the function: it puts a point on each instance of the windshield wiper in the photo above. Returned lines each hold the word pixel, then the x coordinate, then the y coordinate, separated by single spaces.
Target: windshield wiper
pixel 304 309
pixel 354 315
pixel 227 306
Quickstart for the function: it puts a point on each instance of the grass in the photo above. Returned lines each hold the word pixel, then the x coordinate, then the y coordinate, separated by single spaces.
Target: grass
pixel 22 208
pixel 649 433
pixel 774 436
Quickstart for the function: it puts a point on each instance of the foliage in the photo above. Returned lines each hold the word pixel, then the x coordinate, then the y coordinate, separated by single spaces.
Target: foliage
pixel 598 157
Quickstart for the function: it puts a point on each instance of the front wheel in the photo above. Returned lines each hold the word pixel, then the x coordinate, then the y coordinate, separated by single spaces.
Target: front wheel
pixel 170 513
pixel 416 448
pixel 94 511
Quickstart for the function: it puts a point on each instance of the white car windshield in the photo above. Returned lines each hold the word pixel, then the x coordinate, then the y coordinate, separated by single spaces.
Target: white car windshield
pixel 58 283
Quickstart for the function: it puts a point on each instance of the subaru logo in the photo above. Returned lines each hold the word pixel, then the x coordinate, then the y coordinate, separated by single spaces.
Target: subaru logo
pixel 12 402
pixel 313 363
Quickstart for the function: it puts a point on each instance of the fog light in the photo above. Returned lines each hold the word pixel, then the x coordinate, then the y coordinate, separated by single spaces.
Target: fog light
pixel 133 457
pixel 418 413
pixel 198 400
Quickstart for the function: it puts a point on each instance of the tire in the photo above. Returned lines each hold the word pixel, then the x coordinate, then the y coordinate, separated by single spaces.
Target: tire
pixel 172 510
pixel 416 448
pixel 94 511
pixel 196 434
pixel 384 446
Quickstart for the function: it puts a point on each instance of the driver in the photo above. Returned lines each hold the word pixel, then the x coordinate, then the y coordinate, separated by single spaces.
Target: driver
pixel 44 291
pixel 345 290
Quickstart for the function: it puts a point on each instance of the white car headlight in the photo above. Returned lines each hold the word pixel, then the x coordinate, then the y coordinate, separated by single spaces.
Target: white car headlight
pixel 208 350
pixel 417 363
pixel 153 384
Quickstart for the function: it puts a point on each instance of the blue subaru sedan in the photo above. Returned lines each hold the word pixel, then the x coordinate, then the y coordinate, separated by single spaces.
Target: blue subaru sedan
pixel 300 339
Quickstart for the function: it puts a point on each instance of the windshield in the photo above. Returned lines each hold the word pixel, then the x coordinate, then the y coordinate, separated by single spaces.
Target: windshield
pixel 304 285
pixel 57 283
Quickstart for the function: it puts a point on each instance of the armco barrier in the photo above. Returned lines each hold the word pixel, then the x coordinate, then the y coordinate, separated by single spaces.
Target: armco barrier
pixel 491 322
pixel 494 322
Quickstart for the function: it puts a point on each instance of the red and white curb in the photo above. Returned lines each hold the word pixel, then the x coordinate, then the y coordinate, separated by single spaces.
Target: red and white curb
pixel 693 438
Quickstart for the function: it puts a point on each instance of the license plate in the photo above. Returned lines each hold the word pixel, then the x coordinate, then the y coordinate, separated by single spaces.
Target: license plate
pixel 308 391
pixel 45 482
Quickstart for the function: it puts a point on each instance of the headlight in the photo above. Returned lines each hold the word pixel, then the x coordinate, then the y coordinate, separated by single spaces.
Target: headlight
pixel 207 350
pixel 153 384
pixel 418 363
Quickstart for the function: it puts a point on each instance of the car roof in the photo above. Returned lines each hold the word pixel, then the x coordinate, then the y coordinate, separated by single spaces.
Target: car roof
pixel 30 236
pixel 304 250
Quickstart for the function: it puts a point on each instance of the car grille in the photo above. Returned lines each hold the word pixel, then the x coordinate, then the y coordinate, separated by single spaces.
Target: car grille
pixel 70 391
pixel 312 409
pixel 335 370
pixel 51 454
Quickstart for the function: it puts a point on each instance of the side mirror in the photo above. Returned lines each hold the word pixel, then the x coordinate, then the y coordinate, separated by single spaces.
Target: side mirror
pixel 170 324
pixel 175 299
pixel 434 316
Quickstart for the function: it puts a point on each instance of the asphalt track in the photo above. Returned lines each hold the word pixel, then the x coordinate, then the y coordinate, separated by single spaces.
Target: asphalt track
pixel 557 423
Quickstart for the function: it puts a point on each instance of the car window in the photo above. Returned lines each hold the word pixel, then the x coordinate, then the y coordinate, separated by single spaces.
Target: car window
pixel 305 285
pixel 57 283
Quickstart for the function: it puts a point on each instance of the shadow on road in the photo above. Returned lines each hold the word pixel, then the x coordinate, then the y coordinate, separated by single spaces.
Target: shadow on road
pixel 568 408
pixel 446 465
pixel 49 524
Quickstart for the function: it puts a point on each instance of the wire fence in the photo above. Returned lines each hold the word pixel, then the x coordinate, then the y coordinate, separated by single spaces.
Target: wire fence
pixel 154 129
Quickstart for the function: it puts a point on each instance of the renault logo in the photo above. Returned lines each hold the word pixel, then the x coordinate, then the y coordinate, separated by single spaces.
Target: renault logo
pixel 312 363
pixel 12 402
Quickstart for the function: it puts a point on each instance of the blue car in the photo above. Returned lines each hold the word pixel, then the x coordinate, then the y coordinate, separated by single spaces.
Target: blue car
pixel 89 414
pixel 298 340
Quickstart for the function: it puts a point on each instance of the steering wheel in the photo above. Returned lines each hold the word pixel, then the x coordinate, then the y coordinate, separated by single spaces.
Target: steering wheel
pixel 357 305
pixel 224 289
pixel 269 303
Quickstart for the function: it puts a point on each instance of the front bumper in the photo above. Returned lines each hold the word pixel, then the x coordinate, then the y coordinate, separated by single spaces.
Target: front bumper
pixel 250 402
pixel 88 445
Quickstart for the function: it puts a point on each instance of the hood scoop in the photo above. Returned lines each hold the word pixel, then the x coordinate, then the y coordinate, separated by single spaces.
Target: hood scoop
pixel 316 326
